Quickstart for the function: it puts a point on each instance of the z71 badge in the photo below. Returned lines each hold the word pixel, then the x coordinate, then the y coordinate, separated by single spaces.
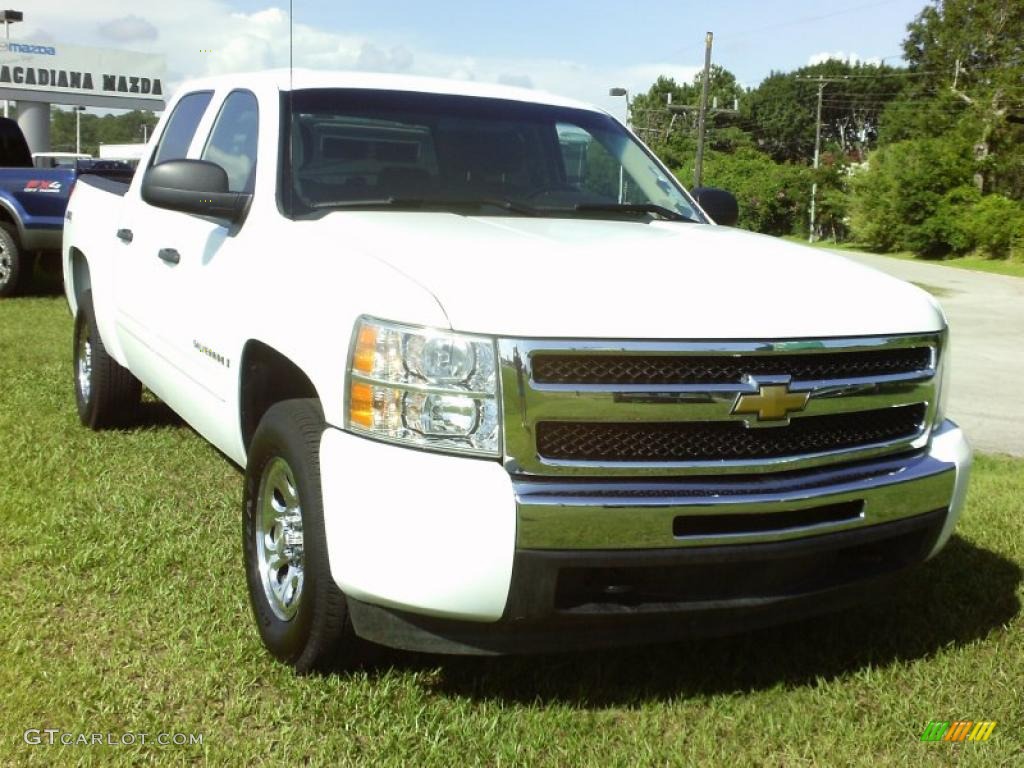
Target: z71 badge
pixel 42 185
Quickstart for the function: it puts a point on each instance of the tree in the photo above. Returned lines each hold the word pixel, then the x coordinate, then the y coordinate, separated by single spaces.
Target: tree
pixel 773 197
pixel 973 51
pixel 96 130
pixel 907 198
pixel 781 112
pixel 655 123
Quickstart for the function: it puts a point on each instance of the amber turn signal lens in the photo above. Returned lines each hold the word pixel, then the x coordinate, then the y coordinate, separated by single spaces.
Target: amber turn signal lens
pixel 366 349
pixel 360 405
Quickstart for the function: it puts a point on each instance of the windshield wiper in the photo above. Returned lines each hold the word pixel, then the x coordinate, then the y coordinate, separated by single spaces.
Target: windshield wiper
pixel 423 202
pixel 654 208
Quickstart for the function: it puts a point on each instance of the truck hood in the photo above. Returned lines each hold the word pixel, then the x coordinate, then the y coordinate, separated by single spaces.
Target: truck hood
pixel 547 277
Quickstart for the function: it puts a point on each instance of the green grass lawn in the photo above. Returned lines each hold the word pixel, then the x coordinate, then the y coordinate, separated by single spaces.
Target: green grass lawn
pixel 976 263
pixel 126 611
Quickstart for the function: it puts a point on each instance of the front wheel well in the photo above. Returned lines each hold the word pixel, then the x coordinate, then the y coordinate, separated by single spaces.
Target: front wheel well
pixel 8 222
pixel 267 377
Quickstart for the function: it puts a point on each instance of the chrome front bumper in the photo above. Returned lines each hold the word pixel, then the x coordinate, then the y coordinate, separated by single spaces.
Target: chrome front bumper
pixel 585 563
pixel 597 564
pixel 659 513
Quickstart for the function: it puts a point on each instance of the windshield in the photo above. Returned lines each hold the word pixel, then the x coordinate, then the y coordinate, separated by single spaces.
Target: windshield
pixel 367 148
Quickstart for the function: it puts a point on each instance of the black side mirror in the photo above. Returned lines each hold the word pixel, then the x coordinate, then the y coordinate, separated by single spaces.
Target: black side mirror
pixel 193 186
pixel 718 204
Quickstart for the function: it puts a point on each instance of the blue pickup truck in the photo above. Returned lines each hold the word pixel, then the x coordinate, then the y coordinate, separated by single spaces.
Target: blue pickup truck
pixel 32 205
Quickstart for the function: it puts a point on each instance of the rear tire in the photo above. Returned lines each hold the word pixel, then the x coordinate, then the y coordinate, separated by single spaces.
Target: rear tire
pixel 15 266
pixel 107 394
pixel 300 612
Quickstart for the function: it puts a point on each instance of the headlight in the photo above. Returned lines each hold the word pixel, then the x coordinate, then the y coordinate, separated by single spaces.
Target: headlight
pixel 423 387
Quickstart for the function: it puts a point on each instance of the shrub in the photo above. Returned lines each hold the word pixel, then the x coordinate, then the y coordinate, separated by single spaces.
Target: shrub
pixel 773 197
pixel 996 226
pixel 902 200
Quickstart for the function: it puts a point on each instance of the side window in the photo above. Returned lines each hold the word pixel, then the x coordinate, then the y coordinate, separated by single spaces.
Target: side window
pixel 232 142
pixel 181 126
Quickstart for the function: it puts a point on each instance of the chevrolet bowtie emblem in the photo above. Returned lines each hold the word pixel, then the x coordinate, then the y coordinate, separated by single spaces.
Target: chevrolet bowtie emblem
pixel 773 402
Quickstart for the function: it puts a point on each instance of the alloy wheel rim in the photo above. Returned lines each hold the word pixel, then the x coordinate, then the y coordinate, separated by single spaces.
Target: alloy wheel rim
pixel 6 267
pixel 84 366
pixel 279 539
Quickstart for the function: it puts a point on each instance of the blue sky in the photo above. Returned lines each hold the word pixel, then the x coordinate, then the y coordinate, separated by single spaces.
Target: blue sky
pixel 572 47
pixel 752 36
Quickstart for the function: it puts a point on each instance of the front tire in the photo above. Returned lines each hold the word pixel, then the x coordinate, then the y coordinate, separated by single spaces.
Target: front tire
pixel 107 394
pixel 300 613
pixel 15 266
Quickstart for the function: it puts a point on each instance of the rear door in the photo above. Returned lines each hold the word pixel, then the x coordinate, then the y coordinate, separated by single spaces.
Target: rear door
pixel 36 197
pixel 147 272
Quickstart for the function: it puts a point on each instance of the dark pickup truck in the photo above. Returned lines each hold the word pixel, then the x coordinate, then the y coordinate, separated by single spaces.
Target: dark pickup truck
pixel 32 205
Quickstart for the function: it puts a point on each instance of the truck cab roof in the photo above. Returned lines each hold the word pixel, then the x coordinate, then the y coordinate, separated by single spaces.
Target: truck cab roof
pixel 300 79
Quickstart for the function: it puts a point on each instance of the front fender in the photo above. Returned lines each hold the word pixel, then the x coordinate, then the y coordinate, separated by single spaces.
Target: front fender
pixel 326 295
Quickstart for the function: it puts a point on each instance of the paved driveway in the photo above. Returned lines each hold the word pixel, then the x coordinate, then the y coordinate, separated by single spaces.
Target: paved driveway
pixel 986 318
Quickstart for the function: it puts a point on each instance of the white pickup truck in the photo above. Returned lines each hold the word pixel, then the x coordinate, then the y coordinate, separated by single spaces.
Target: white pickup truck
pixel 498 382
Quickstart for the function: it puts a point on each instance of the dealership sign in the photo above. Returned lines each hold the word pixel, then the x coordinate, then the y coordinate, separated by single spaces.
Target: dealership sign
pixel 43 72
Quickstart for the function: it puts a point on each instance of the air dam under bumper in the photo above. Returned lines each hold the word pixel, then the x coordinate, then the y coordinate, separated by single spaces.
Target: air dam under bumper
pixel 446 554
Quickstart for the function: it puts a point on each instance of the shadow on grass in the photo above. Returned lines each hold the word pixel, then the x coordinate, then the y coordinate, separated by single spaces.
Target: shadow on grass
pixel 962 595
pixel 154 413
pixel 47 278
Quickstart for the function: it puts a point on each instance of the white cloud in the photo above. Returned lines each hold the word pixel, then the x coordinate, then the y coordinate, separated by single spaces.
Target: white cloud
pixel 849 58
pixel 375 59
pixel 128 29
pixel 520 81
pixel 239 41
pixel 38 35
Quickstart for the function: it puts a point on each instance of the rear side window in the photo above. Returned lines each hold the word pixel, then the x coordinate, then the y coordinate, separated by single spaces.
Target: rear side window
pixel 232 143
pixel 13 149
pixel 181 126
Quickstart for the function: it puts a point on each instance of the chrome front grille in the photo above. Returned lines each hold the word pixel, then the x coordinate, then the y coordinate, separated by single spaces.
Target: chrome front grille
pixel 652 442
pixel 667 408
pixel 731 369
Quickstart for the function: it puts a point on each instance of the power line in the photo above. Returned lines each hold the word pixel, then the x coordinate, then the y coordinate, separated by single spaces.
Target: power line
pixel 923 72
pixel 899 103
pixel 794 23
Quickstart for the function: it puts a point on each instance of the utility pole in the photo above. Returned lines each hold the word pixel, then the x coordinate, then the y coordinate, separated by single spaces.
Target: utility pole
pixel 817 159
pixel 78 129
pixel 698 166
pixel 822 82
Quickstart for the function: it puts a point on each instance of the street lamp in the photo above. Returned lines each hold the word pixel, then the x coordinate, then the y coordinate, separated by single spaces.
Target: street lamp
pixel 78 129
pixel 622 92
pixel 8 18
pixel 629 124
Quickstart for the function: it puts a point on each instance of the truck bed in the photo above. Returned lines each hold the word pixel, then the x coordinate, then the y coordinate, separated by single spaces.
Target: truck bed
pixel 108 184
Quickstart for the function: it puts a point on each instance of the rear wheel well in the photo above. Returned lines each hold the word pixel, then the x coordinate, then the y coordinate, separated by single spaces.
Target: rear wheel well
pixel 267 377
pixel 80 278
